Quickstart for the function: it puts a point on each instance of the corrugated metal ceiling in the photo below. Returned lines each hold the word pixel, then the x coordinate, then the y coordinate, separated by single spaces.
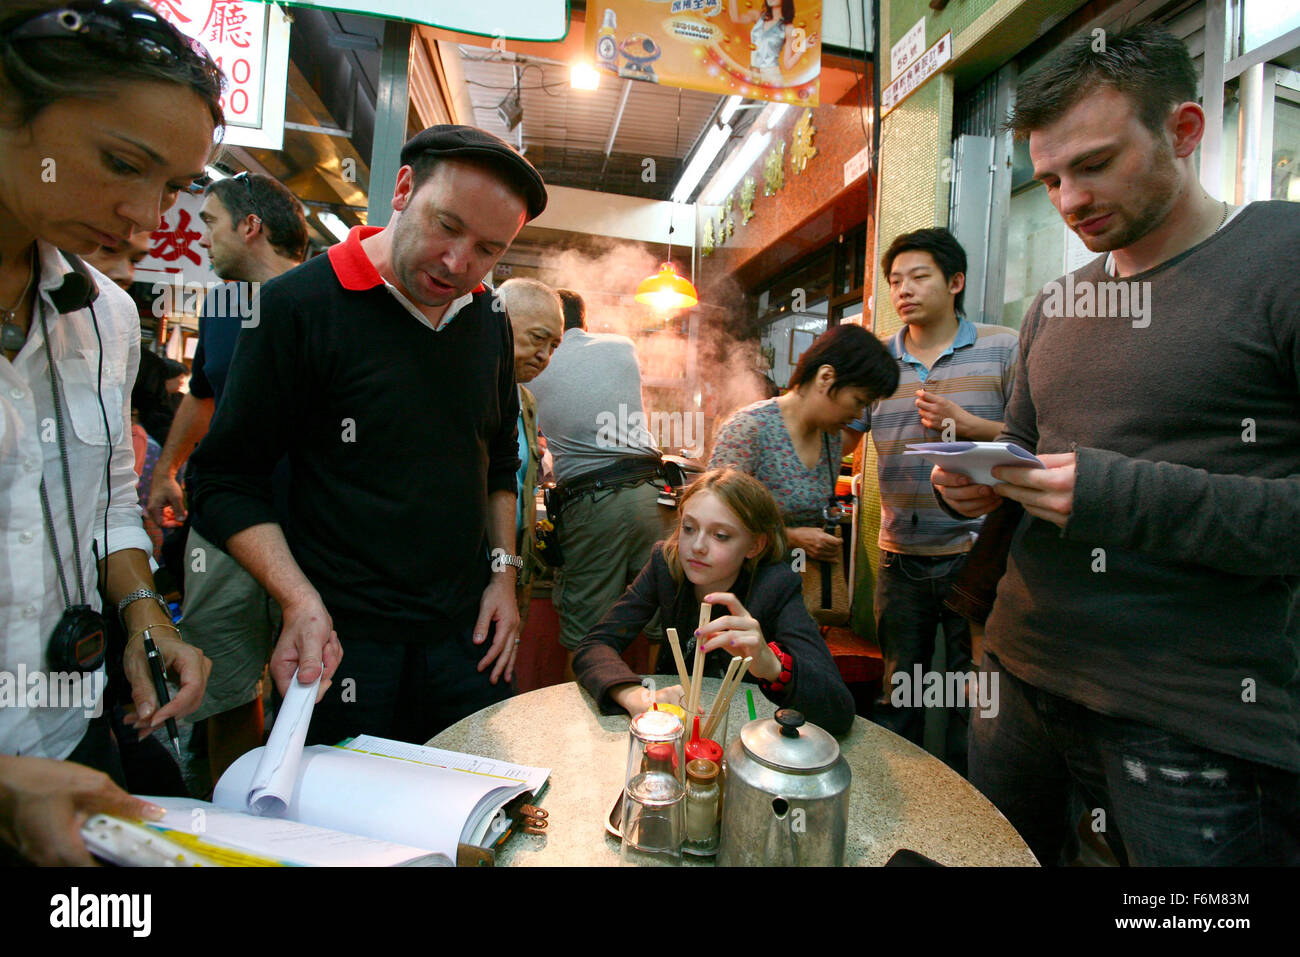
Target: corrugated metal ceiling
pixel 565 131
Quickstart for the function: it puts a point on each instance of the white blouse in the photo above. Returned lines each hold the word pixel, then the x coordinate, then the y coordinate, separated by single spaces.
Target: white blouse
pixel 31 599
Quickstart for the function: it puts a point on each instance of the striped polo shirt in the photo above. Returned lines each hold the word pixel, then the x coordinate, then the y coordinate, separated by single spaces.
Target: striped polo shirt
pixel 976 373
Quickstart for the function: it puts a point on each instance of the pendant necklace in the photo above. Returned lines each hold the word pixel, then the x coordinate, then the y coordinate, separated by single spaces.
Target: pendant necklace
pixel 13 337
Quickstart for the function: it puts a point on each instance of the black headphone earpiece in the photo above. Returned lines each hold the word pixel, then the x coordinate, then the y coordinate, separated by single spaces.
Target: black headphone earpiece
pixel 78 289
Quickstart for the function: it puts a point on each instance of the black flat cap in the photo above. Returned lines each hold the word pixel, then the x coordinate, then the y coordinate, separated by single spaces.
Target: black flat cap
pixel 469 141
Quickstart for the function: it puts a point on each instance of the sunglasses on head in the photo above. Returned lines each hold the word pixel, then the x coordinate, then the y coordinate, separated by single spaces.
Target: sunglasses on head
pixel 244 178
pixel 124 29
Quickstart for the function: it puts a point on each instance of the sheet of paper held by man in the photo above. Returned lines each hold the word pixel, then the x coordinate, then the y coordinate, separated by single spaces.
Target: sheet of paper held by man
pixel 975 460
pixel 276 775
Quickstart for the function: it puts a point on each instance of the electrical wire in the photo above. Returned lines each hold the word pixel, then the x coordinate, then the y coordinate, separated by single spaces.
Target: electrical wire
pixel 522 64
pixel 493 86
pixel 860 78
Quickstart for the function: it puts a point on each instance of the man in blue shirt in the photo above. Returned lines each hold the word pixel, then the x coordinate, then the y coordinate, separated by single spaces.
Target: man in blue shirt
pixel 253 230
pixel 954 382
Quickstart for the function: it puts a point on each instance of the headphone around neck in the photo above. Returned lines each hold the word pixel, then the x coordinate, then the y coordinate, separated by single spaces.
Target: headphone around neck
pixel 78 289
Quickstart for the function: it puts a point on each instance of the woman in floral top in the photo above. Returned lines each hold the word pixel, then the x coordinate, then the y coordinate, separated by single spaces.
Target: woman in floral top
pixel 792 443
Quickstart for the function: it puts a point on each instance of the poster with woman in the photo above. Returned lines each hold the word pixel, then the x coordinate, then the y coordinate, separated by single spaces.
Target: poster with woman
pixel 759 49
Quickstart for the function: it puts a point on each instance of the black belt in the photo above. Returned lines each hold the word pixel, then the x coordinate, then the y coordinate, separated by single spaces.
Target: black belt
pixel 629 471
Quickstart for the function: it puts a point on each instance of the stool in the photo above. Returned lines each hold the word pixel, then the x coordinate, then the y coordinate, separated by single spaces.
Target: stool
pixel 858 659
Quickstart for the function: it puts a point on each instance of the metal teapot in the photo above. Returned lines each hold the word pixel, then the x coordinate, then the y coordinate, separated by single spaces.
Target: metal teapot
pixel 786 801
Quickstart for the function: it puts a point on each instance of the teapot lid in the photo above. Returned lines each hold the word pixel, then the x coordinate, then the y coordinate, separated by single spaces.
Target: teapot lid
pixel 787 741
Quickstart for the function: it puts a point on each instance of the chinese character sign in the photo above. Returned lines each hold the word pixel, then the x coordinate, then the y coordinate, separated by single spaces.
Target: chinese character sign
pixel 760 49
pixel 174 246
pixel 235 33
pixel 915 75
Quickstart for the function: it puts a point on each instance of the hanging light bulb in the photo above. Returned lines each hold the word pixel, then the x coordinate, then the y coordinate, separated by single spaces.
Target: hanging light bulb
pixel 665 290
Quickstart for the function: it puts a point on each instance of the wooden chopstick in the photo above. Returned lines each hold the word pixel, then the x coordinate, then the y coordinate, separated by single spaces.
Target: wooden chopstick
pixel 711 720
pixel 680 660
pixel 740 676
pixel 697 674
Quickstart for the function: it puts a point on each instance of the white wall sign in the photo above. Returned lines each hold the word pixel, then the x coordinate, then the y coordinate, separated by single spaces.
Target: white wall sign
pixel 539 20
pixel 928 64
pixel 250 42
pixel 902 53
pixel 857 164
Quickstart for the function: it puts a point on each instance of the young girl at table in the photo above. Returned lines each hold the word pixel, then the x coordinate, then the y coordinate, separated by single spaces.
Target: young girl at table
pixel 727 550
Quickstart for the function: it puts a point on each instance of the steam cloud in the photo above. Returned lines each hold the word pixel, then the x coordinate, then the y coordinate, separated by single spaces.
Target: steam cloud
pixel 605 272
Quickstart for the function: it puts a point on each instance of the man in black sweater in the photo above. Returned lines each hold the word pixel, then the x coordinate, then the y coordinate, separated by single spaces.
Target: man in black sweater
pixel 385 370
pixel 1146 632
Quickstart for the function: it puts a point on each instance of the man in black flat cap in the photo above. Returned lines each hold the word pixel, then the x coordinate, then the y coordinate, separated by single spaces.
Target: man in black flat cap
pixel 385 370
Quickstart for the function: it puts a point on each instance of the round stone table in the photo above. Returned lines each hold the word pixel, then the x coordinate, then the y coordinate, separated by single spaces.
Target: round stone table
pixel 901 796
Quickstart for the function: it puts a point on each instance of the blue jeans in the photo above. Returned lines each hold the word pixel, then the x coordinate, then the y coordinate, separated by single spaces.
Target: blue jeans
pixel 909 609
pixel 1157 798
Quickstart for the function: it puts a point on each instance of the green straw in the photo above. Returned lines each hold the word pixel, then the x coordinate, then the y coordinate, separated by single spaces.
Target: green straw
pixel 749 697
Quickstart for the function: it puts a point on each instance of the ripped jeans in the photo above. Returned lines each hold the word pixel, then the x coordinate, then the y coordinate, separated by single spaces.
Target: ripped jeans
pixel 1157 798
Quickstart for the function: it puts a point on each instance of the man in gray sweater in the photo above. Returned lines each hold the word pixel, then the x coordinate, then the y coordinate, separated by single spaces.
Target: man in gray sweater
pixel 1146 633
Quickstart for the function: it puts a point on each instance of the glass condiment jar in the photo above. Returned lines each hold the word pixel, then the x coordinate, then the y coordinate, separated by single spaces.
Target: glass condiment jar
pixel 654 794
pixel 703 797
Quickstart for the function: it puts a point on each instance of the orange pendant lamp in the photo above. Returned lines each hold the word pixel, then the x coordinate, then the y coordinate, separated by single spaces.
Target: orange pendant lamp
pixel 666 291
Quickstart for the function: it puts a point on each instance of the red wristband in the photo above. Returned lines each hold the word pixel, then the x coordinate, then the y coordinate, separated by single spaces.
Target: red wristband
pixel 781 681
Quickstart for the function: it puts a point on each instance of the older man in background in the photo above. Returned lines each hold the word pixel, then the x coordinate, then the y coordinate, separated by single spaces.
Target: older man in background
pixel 537 320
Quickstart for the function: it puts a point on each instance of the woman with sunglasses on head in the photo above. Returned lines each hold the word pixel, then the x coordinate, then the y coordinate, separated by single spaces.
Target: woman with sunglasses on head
pixel 106 112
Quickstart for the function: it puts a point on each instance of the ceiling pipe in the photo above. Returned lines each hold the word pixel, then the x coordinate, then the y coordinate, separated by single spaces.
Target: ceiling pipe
pixel 461 105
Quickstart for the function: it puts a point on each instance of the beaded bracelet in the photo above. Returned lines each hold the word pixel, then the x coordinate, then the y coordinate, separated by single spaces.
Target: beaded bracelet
pixel 781 681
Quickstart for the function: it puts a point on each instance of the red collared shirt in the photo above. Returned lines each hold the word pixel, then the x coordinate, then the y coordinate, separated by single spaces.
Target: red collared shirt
pixel 357 273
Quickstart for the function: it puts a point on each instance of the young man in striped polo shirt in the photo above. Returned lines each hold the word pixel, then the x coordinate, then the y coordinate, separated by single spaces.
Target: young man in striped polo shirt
pixel 954 382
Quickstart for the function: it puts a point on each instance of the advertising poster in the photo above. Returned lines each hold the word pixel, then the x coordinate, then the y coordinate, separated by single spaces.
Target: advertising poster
pixel 759 49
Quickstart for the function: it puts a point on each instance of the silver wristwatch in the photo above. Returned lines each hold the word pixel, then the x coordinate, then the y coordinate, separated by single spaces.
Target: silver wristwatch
pixel 137 595
pixel 500 559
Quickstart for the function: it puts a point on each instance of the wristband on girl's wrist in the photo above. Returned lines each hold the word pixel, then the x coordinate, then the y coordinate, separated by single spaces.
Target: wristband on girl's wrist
pixel 781 681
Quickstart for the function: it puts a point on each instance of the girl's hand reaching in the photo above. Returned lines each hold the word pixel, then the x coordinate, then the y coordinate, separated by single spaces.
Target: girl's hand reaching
pixel 739 634
pixel 635 699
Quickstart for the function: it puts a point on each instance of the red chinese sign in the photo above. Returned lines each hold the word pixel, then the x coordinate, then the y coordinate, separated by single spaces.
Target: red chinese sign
pixel 234 32
pixel 176 242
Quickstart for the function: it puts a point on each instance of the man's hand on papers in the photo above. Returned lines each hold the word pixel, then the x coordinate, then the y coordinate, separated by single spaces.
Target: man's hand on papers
pixel 1045 493
pixel 963 495
pixel 498 604
pixel 44 803
pixel 187 664
pixel 308 645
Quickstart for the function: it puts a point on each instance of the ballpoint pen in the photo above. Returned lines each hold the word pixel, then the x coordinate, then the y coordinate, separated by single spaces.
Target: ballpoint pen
pixel 160 686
